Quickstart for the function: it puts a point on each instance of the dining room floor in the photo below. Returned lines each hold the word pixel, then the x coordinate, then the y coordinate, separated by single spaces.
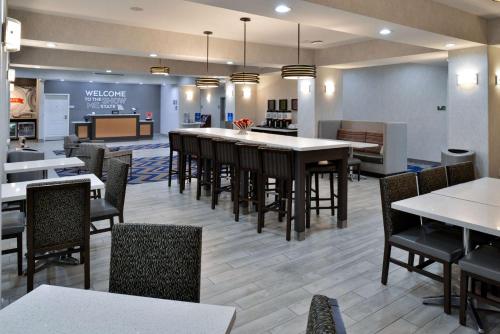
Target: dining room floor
pixel 271 281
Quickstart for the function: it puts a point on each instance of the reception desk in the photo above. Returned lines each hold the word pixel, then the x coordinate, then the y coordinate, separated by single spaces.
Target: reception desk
pixel 114 127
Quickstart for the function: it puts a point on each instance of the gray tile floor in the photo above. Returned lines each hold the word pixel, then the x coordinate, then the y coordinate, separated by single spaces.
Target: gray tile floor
pixel 271 281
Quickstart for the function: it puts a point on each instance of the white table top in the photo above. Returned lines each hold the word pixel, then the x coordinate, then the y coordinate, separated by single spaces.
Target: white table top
pixel 58 310
pixel 30 166
pixel 485 190
pixel 16 191
pixel 472 215
pixel 294 143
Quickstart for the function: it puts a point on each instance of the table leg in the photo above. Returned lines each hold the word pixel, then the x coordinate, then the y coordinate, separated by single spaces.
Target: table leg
pixel 342 169
pixel 300 197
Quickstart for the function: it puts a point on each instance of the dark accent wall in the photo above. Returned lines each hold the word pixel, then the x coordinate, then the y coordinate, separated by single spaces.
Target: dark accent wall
pixel 142 97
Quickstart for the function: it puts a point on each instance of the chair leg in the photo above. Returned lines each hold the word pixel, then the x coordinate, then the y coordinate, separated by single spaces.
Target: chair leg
pixel 385 265
pixel 332 196
pixel 289 210
pixel 111 222
pixel 30 272
pixel 359 173
pixel 170 169
pixel 199 178
pixel 86 267
pixel 120 218
pixel 214 184
pixel 464 280
pixel 181 171
pixel 308 201
pixel 316 181
pixel 20 254
pixel 189 168
pixel 262 202
pixel 447 287
pixel 236 194
pixel 411 260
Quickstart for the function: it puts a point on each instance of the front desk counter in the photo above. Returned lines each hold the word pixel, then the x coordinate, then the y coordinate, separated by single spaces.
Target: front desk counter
pixel 114 127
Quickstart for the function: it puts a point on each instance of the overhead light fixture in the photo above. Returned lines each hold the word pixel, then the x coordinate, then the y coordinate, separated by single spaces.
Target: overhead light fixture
pixel 282 9
pixel 159 70
pixel 51 45
pixel 206 83
pixel 108 71
pixel 11 75
pixel 154 55
pixel 385 32
pixel 229 62
pixel 450 45
pixel 298 71
pixel 244 78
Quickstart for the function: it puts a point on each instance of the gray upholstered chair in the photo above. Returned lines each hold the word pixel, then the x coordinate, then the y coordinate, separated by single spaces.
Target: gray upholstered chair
pixel 403 230
pixel 25 155
pixel 324 316
pixel 482 265
pixel 85 154
pixel 93 156
pixel 159 261
pixel 175 145
pixel 13 228
pixel 71 145
pixel 58 223
pixel 114 199
pixel 460 173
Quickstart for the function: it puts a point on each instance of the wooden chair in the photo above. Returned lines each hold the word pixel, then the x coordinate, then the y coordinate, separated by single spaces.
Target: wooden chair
pixel 175 147
pixel 225 156
pixel 248 165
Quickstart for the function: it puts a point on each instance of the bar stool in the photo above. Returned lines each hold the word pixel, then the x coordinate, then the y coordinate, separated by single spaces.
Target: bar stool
pixel 248 167
pixel 206 159
pixel 276 163
pixel 175 145
pixel 190 148
pixel 225 155
pixel 313 171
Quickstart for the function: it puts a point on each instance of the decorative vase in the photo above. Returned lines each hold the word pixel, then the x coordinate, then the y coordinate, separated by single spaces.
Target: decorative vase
pixel 242 131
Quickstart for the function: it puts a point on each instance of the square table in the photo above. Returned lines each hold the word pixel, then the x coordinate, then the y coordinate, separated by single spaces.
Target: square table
pixel 16 191
pixel 36 165
pixel 57 310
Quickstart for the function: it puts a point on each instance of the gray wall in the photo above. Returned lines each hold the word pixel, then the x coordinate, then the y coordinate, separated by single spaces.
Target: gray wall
pixel 143 97
pixel 402 93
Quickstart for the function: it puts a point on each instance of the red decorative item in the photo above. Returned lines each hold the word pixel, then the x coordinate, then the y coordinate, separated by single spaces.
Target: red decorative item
pixel 149 115
pixel 243 124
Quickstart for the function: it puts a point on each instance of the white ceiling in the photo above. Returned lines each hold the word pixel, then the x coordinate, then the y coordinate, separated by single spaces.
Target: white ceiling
pixel 188 17
pixel 484 8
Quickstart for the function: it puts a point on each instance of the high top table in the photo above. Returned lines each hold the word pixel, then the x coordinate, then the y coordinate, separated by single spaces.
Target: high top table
pixel 36 165
pixel 306 150
pixel 57 310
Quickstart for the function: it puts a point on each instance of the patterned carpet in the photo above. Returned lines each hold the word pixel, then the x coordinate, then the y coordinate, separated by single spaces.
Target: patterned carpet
pixel 128 148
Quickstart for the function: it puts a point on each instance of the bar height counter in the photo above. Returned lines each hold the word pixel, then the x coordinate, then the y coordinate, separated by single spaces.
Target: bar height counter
pixel 114 127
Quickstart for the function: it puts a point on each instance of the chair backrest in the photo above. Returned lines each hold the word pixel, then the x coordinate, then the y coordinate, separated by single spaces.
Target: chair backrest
pixel 116 183
pixel 225 151
pixel 159 261
pixel 95 159
pixel 70 141
pixel 58 214
pixel 248 156
pixel 324 317
pixel 174 139
pixel 431 179
pixel 395 188
pixel 460 173
pixel 206 147
pixel 19 156
pixel 276 162
pixel 190 144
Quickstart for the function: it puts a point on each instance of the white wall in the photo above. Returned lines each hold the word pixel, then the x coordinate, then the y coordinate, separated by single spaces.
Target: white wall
pixel 189 101
pixel 306 114
pixel 210 103
pixel 401 93
pixel 329 106
pixel 170 118
pixel 468 107
pixel 273 87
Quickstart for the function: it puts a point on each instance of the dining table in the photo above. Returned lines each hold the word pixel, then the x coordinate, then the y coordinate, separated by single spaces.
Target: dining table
pixel 306 151
pixel 37 165
pixel 473 205
pixel 56 310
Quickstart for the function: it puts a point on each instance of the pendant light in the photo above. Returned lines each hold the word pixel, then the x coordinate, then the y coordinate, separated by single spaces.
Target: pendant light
pixel 244 78
pixel 206 83
pixel 159 70
pixel 298 71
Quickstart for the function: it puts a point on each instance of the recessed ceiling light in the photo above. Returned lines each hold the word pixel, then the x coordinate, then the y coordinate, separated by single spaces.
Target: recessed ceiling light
pixel 51 45
pixel 117 82
pixel 140 83
pixel 136 9
pixel 282 9
pixel 91 81
pixel 229 62
pixel 318 42
pixel 385 32
pixel 450 45
pixel 153 55
pixel 108 71
pixel 61 79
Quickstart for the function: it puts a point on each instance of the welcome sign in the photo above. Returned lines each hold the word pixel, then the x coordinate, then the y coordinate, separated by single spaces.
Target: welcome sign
pixel 105 99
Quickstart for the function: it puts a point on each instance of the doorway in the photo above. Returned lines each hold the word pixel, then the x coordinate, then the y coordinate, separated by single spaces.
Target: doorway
pixel 56 116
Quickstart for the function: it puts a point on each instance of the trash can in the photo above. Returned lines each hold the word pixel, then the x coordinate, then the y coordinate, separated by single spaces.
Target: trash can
pixel 453 156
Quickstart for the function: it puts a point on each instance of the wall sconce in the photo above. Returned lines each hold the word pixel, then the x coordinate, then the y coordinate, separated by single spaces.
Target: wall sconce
pixel 496 80
pixel 329 87
pixel 247 92
pixel 209 97
pixel 467 79
pixel 189 95
pixel 305 87
pixel 11 75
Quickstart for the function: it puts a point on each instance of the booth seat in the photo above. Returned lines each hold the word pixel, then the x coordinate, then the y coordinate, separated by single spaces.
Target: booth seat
pixel 389 157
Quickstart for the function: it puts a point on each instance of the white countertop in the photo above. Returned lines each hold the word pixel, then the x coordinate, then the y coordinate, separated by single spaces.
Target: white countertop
pixel 485 190
pixel 58 310
pixel 16 191
pixel 35 165
pixel 294 143
pixel 472 215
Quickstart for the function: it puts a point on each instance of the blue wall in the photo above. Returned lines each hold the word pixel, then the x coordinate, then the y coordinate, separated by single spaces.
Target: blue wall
pixel 86 97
